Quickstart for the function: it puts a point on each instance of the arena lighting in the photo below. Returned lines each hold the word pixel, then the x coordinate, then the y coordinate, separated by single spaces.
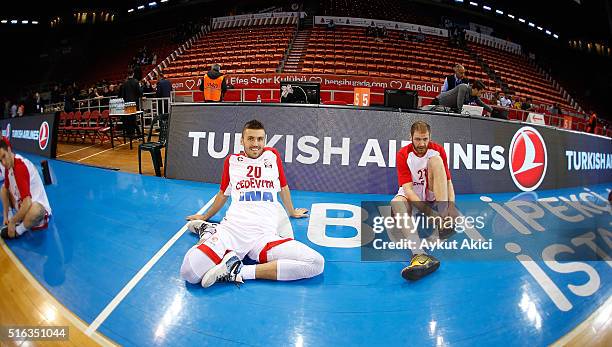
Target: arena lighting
pixel 486 7
pixel 540 28
pixel 14 21
pixel 4 21
pixel 556 36
pixel 499 12
pixel 151 4
pixel 531 25
pixel 473 3
pixel 548 32
pixel 140 7
pixel 521 20
pixel 25 21
pixel 164 1
pixel 510 15
pixel 130 10
pixel 459 1
pixel 34 22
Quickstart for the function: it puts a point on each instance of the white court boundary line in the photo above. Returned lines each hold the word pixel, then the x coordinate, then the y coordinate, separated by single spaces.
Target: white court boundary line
pixel 69 315
pixel 78 150
pixel 134 281
pixel 106 150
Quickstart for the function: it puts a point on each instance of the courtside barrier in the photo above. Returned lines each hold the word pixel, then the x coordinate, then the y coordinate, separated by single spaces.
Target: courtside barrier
pixel 353 150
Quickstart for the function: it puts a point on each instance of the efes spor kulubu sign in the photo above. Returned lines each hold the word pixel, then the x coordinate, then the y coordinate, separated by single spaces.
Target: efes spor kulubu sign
pixel 354 150
pixel 328 82
pixel 36 134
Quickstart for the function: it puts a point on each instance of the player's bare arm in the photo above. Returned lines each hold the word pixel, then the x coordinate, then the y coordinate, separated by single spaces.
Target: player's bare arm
pixel 285 195
pixel 220 200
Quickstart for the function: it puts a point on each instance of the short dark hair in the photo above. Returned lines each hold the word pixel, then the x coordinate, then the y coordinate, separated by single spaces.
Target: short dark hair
pixel 478 84
pixel 253 124
pixel 420 126
pixel 4 143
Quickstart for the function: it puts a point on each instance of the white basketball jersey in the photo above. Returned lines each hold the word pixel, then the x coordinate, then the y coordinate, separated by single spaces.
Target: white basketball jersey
pixel 253 185
pixel 413 168
pixel 23 180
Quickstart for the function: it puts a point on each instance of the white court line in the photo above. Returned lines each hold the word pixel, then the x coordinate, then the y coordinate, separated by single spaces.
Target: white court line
pixel 132 283
pixel 78 150
pixel 106 150
pixel 71 317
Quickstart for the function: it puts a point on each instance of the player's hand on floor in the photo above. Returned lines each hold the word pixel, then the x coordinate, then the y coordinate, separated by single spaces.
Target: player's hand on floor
pixel 195 217
pixel 299 213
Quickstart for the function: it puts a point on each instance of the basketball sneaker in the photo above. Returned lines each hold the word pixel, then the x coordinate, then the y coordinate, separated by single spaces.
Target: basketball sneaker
pixel 226 271
pixel 420 266
pixel 203 229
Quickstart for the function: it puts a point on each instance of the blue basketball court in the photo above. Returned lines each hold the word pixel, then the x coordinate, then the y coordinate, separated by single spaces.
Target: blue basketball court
pixel 116 241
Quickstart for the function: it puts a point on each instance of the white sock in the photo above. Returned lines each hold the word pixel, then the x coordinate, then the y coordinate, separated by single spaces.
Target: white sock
pixel 248 272
pixel 20 229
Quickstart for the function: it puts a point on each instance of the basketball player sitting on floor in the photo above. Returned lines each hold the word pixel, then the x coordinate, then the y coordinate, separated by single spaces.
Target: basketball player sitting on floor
pixel 424 180
pixel 24 201
pixel 250 226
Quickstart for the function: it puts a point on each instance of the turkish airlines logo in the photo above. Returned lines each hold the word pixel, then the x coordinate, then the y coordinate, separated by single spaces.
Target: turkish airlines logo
pixel 528 159
pixel 43 135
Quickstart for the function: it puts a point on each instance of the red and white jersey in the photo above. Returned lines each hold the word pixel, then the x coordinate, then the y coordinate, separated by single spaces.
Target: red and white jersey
pixel 253 185
pixel 23 181
pixel 413 168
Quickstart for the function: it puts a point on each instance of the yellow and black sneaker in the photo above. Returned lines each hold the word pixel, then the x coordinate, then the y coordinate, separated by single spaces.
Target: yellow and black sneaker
pixel 420 266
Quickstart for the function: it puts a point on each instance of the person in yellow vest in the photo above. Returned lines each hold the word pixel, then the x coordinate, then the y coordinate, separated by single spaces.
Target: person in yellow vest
pixel 214 84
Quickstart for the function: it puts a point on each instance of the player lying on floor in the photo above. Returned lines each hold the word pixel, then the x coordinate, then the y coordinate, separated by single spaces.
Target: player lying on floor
pixel 250 226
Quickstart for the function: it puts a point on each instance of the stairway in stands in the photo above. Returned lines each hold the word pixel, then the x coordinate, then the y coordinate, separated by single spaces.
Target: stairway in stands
pixel 488 70
pixel 296 51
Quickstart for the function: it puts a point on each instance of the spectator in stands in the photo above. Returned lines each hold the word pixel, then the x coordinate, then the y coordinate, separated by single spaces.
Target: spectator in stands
pixel 527 105
pixel 555 110
pixel 505 101
pixel 406 35
pixel 420 37
pixel 147 88
pixel 592 125
pixel 517 104
pixel 39 103
pixel 163 90
pixel 130 90
pixel 97 94
pixel 371 30
pixel 112 90
pixel 13 112
pixel 462 94
pixel 137 71
pixel 451 81
pixel 383 32
pixel 214 84
pixel 331 26
pixel 69 99
pixel 21 110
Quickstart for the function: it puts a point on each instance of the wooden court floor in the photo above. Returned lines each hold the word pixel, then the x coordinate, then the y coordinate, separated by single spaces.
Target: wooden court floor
pixel 23 301
pixel 120 157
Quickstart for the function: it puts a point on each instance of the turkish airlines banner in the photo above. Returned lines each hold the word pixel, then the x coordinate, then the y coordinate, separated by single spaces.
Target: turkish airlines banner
pixel 353 150
pixel 35 134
